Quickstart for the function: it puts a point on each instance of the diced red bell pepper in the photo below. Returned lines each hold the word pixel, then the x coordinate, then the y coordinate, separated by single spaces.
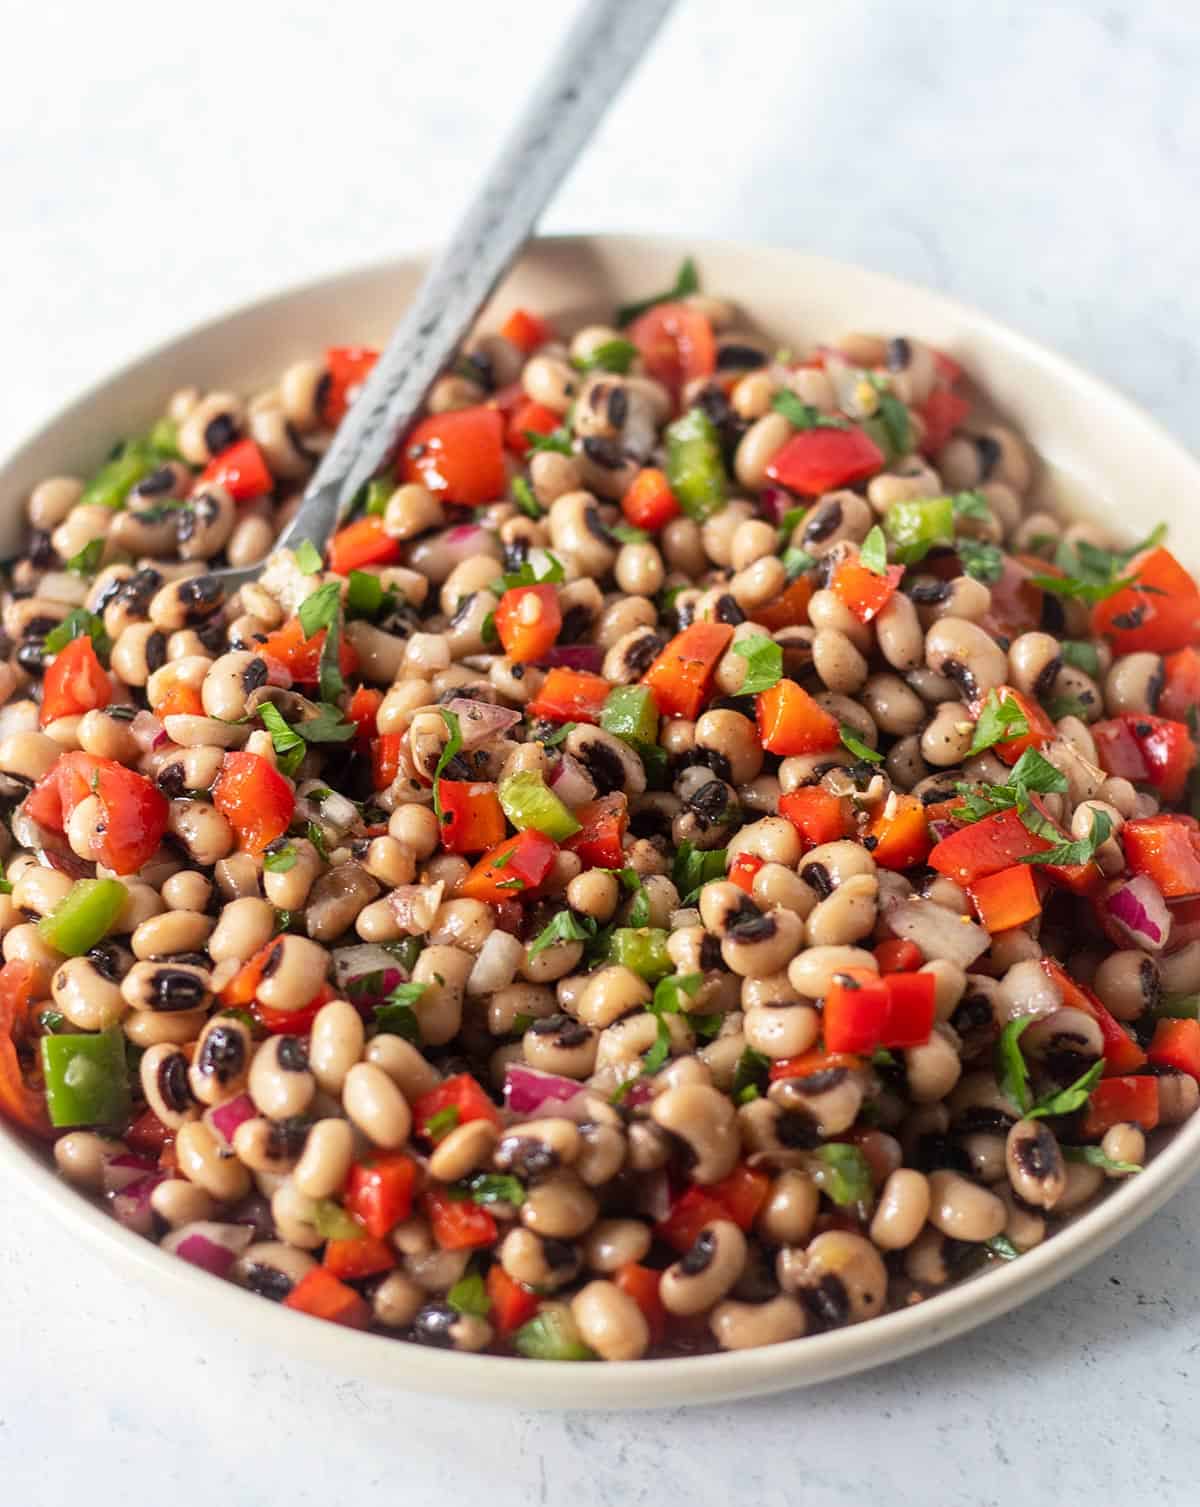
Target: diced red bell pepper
pixel 385 759
pixel 1121 1101
pixel 817 814
pixel 789 610
pixel 242 987
pixel 942 412
pixel 348 367
pixel 790 721
pixel 863 1010
pixel 472 816
pixel 242 470
pixel 1121 1053
pixel 351 1260
pixel 362 711
pixel 742 1194
pixel 822 460
pixel 1040 728
pixel 1167 850
pixel 292 1022
pixel 529 418
pixel 1006 899
pixel 134 809
pixel 379 1192
pixel 743 869
pixel 526 331
pixel 528 620
pixel 641 1283
pixel 256 800
pixel 690 1212
pixel 997 842
pixel 75 682
pixel 898 956
pixel 570 696
pixel 649 502
pixel 1159 611
pixel 1181 684
pixel 362 543
pixel 458 455
pixel 602 826
pixel 320 1294
pixel 458 1224
pixel 1176 1044
pixel 512 1304
pixel 180 700
pixel 460 1093
pixel 864 591
pixel 676 344
pixel 818 1060
pixel 511 871
pixel 682 674
pixel 301 656
pixel 899 837
pixel 1168 752
pixel 21 1102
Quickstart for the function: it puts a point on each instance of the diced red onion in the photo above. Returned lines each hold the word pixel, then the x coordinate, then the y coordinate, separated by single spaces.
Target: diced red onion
pixel 588 657
pixel 463 534
pixel 225 1118
pixel 526 1089
pixel 415 905
pixel 938 932
pixel 213 1247
pixel 1139 910
pixel 351 965
pixel 121 1171
pixel 131 1206
pixel 479 721
pixel 777 501
pixel 941 828
pixel 496 966
pixel 571 782
pixel 148 732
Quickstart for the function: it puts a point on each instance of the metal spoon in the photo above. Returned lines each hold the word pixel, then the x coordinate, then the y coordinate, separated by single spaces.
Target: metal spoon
pixel 600 51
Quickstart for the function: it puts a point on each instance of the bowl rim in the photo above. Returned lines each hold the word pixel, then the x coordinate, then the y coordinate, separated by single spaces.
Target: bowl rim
pixel 689 1379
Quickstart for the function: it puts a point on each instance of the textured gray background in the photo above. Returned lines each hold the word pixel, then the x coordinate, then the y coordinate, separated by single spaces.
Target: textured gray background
pixel 159 163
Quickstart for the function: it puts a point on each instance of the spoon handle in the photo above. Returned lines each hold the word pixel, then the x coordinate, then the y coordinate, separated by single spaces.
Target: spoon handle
pixel 601 49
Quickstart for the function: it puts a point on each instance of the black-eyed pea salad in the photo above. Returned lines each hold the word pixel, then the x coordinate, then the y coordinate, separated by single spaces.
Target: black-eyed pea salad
pixel 701 857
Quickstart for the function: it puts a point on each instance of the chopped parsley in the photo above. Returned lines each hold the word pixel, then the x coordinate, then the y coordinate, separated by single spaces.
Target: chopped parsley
pixel 857 747
pixel 469 1296
pixel 566 926
pixel 87 561
pixel 1093 574
pixel 1012 1074
pixel 687 280
pixel 984 562
pixel 802 415
pixel 279 860
pixel 694 867
pixel 610 356
pixel 971 505
pixel 524 498
pixel 308 557
pixel 787 525
pixel 438 1126
pixel 289 746
pixel 559 441
pixel 842 1173
pixel 626 533
pixel 1000 718
pixel 76 623
pixel 453 744
pixel 1081 655
pixel 1094 1157
pixel 1002 1246
pixel 528 575
pixel 873 552
pixel 764 663
pixel 749 1076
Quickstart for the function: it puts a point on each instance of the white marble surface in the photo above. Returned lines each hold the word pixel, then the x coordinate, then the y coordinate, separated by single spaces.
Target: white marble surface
pixel 158 163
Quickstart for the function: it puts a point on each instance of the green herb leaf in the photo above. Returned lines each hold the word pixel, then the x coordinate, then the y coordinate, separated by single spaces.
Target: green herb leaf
pixel 5 884
pixel 1082 850
pixel 308 557
pixel 873 553
pixel 469 1296
pixel 377 495
pixel 787 525
pixel 1059 707
pixel 320 609
pixel 552 740
pixel 764 663
pixel 694 867
pixel 315 834
pixel 289 746
pixel 802 415
pixel 496 1188
pixel 610 356
pixel 1012 1074
pixel 1094 1157
pixel 1002 1246
pixel 749 1076
pixel 398 1018
pixel 857 747
pixel 333 1223
pixel 566 926
pixel 524 498
pixel 625 533
pixel 706 1027
pixel 328 726
pixel 983 561
pixel 1066 1101
pixel 528 575
pixel 795 562
pixel 365 594
pixel 51 1021
pixel 1082 655
pixel 439 1125
pixel 488 631
pixel 559 441
pixel 453 744
pixel 842 1173
pixel 279 860
pixel 76 623
pixel 1034 772
pixel 686 281
pixel 999 719
pixel 87 561
pixel 672 993
pixel 971 505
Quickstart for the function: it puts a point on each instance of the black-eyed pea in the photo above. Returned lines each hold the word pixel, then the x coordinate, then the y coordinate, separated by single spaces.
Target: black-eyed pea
pixel 638 569
pixel 1125 1146
pixel 1035 1164
pixel 926 1260
pixel 777 887
pixel 812 972
pixel 336 899
pixel 947 736
pixel 108 737
pixel 601 1155
pixel 244 926
pixel 203 831
pixel 594 893
pixel 25 944
pixel 781 1031
pixel 271 1268
pixel 932 1068
pixel 550 381
pixel 41 889
pixel 335 1044
pixel 839 1276
pixel 1178 1096
pixel 901 1211
pixel 790 1211
pixel 415 828
pixel 759 583
pixel 611 993
pixel 163 1072
pixel 169 932
pixel 1081 1184
pixel 280 1081
pixel 839 664
pixel 86 994
pixel 294 972
pixel 612 1243
pixel 202 1160
pixel 51 500
pixel 463 1150
pixel 211 424
pixel 404 1065
pixel 746 1326
pixel 610 1322
pixel 682 544
pixel 294 1214
pixel 81 1156
pixel 706 1272
pixel 560 1207
pixel 758 447
pixel 544 1263
pixel 150 1028
pixel 397 1300
pixel 444 970
pixel 178 1202
pixel 28 755
pixel 899 633
pixel 704 1120
pixel 462 923
pixel 966 655
pixel 627 1039
pixel 962 1210
pixel 847 915
pixel 829 1101
pixel 557 1044
pixel 270 1146
pixel 829 614
pixel 552 476
pixel 950 984
pixel 376 1106
pixel 325 1160
pixel 221 1064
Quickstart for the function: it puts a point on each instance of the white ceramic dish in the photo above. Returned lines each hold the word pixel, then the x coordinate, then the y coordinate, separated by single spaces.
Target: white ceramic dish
pixel 1100 453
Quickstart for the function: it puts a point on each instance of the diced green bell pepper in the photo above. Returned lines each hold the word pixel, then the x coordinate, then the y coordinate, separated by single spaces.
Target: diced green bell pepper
pixel 79 920
pixel 915 527
pixel 379 494
pixel 332 1222
pixel 631 712
pixel 642 949
pixel 695 468
pixel 87 1081
pixel 1178 1007
pixel 164 439
pixel 531 805
pixel 552 1335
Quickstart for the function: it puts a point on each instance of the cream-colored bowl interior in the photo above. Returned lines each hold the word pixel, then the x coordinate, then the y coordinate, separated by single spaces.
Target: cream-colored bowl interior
pixel 1100 456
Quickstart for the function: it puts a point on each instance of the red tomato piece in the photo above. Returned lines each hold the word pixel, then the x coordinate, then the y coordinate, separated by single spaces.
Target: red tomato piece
pixel 997 842
pixel 1159 611
pixel 817 815
pixel 458 1225
pixel 1121 1101
pixel 528 620
pixel 1167 850
pixel 789 610
pixel 21 1103
pixel 1007 899
pixel 822 460
pixel 1177 1044
pixel 855 1011
pixel 362 543
pixel 742 1194
pixel 526 419
pixel 570 696
pixel 291 1022
pixel 75 682
pixel 351 1260
pixel 134 810
pixel 681 675
pixel 1181 684
pixel 1168 752
pixel 1121 1053
pixel 900 833
pixel 602 826
pixel 819 1060
pixel 459 455
pixel 1039 727
pixel 526 331
pixel 463 1095
pixel 348 367
pixel 147 1134
pixel 512 1304
pixel 690 1212
pixel 942 412
pixel 513 870
pixel 790 721
pixel 242 470
pixel 379 1192
pixel 649 503
pixel 742 871
pixel 301 656
pixel 256 800
pixel 911 1008
pixel 472 816
pixel 676 344
pixel 641 1283
pixel 320 1294
pixel 897 956
pixel 180 700
pixel 865 592
pixel 385 759
pixel 362 711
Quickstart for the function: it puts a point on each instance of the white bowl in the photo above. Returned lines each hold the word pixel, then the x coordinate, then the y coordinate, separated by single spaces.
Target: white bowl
pixel 1100 454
